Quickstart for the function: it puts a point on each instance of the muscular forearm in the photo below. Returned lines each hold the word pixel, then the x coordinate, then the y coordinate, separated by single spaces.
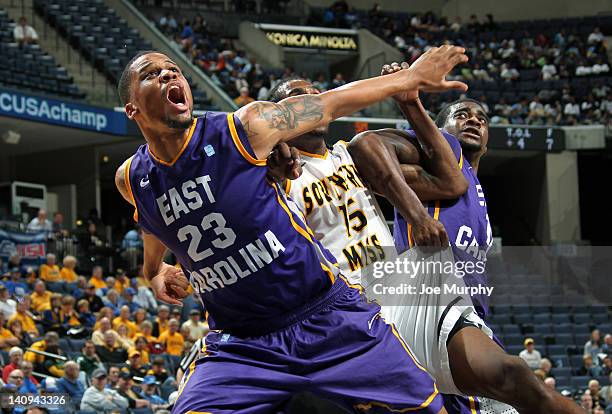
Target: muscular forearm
pixel 438 157
pixel 378 163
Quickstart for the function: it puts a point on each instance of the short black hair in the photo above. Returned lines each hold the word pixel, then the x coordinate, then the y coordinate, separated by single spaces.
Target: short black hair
pixel 445 111
pixel 275 94
pixel 123 87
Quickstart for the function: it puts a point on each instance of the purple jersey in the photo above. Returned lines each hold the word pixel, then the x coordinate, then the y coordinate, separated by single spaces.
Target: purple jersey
pixel 466 221
pixel 244 247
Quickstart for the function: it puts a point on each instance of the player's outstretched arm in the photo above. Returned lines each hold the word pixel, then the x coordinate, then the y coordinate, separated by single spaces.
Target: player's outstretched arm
pixel 168 282
pixel 268 123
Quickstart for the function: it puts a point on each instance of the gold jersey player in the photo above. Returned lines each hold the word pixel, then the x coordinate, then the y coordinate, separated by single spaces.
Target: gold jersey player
pixel 283 318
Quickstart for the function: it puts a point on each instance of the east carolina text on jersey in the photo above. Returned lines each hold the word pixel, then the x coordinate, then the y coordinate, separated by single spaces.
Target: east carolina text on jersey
pixel 341 210
pixel 247 252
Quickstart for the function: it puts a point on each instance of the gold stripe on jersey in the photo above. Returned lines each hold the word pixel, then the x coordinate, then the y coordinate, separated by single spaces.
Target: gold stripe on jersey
pixel 313 155
pixel 129 186
pixel 238 143
pixel 183 148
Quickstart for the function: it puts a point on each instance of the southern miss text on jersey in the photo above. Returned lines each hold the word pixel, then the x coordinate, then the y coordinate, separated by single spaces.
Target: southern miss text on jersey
pixel 341 211
pixel 247 252
pixel 466 222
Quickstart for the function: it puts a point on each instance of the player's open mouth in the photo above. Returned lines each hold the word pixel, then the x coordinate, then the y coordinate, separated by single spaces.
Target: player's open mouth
pixel 471 132
pixel 176 96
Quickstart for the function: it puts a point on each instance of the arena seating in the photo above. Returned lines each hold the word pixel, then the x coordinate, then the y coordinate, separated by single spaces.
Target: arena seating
pixel 31 69
pixel 102 37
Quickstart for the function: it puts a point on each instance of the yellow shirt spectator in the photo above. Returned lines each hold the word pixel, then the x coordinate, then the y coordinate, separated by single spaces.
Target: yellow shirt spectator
pixel 173 342
pixel 131 326
pixel 50 273
pixel 98 283
pixel 27 323
pixel 4 335
pixel 68 275
pixel 41 301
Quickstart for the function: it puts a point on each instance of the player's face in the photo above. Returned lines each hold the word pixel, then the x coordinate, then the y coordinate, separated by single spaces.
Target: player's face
pixel 160 94
pixel 303 87
pixel 469 123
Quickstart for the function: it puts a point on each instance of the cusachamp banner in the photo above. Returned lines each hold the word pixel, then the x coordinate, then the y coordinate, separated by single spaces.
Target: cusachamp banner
pixel 64 113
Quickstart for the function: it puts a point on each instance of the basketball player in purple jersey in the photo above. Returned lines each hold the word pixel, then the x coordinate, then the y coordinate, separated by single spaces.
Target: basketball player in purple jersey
pixel 394 166
pixel 284 320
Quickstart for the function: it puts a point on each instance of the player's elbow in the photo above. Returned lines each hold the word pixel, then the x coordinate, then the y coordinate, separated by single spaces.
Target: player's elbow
pixel 457 186
pixel 365 144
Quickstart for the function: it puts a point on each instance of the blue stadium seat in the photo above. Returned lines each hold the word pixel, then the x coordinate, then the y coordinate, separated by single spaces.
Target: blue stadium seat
pixel 514 340
pixel 543 329
pixel 564 328
pixel 562 372
pixel 521 310
pixel 511 329
pixel 600 318
pixel 582 318
pixel 580 383
pixel 501 319
pixel 581 309
pixel 576 361
pixel 563 382
pixel 556 350
pixel 564 339
pixel 560 360
pixel 541 318
pixel 523 319
pixel 514 349
pixel 560 318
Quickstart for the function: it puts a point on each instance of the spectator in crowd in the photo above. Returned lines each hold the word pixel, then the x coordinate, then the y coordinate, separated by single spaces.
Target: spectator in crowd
pixel 113 377
pixel 40 222
pixel 595 388
pixel 572 108
pixel 68 273
pixel 124 319
pixel 588 368
pixel 338 80
pixel 606 391
pixel 7 339
pixel 139 316
pixel 58 225
pixel 196 328
pixel 86 318
pixel 244 98
pixel 142 346
pixel 95 302
pixel 89 360
pixel 111 351
pixel 25 317
pixel 135 365
pixel 606 367
pixel 172 340
pixel 69 384
pixel 158 370
pixel 101 399
pixel 144 297
pixel 52 318
pixel 550 383
pixel 15 358
pixel 586 402
pixel 47 363
pixel 124 337
pixel 596 36
pixel 30 384
pixel 549 71
pixel 321 83
pixel 7 305
pixel 161 322
pixel 41 298
pixel 15 283
pixel 24 33
pixel 24 338
pixel 508 73
pixel 593 346
pixel 546 367
pixel 125 389
pixel 16 378
pixel 146 331
pixel 50 271
pixel 97 278
pixel 149 392
pixel 122 282
pixel 530 355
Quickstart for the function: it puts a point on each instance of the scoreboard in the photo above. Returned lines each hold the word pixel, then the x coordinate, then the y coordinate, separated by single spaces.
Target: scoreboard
pixel 513 137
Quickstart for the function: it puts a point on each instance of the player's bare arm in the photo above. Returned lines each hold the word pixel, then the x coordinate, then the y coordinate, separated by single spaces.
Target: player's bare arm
pixel 168 282
pixel 267 123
